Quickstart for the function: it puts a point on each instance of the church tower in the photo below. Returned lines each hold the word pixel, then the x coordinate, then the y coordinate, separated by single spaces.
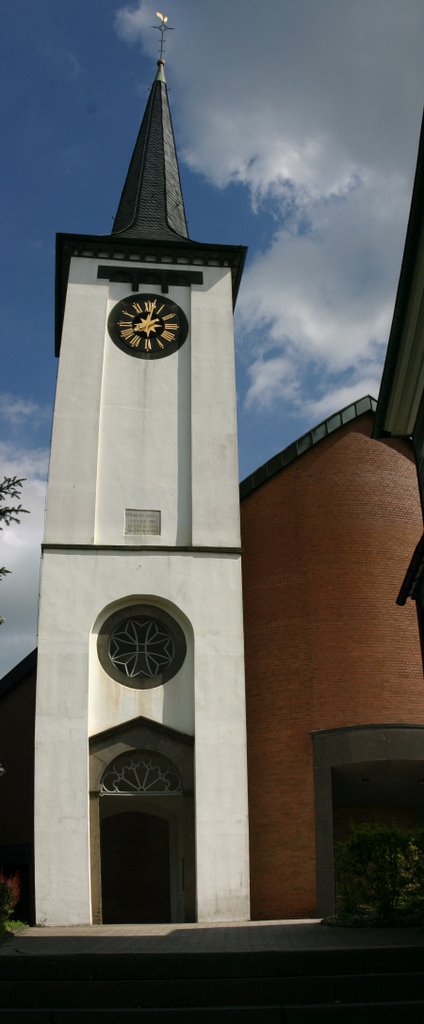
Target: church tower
pixel 141 779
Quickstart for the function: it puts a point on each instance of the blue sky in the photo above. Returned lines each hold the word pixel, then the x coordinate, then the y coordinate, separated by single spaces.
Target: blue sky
pixel 297 129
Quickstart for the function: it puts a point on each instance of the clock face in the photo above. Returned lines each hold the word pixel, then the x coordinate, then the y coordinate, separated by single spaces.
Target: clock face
pixel 147 326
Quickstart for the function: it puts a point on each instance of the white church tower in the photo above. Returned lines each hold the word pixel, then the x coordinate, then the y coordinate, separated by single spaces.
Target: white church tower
pixel 141 779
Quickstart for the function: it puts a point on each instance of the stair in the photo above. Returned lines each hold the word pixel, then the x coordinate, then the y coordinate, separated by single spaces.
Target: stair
pixel 303 987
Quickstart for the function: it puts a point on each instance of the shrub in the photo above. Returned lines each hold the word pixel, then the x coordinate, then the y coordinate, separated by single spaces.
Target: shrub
pixel 380 871
pixel 9 895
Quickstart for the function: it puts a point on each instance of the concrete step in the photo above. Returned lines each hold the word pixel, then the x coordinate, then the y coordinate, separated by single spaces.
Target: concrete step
pixel 411 1012
pixel 292 987
pixel 365 1013
pixel 150 966
pixel 210 992
pixel 194 1015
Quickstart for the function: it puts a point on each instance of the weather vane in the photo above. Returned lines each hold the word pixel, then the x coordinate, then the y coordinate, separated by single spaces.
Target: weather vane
pixel 162 29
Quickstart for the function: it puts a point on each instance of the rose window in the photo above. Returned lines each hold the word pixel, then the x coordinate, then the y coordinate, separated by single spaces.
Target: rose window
pixel 141 647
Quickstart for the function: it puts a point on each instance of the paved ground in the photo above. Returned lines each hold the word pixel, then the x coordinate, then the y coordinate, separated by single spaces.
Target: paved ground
pixel 238 937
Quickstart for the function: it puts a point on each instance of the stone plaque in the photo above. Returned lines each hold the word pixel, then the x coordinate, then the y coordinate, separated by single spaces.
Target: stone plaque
pixel 141 521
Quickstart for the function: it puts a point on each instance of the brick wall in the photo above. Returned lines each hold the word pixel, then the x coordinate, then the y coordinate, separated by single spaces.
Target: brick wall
pixel 17 715
pixel 326 543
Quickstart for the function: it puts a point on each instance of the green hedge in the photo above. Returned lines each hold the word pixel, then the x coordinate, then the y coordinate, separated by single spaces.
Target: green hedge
pixel 9 895
pixel 380 873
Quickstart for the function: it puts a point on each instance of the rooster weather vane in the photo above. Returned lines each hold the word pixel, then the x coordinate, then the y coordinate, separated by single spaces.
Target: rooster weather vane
pixel 162 28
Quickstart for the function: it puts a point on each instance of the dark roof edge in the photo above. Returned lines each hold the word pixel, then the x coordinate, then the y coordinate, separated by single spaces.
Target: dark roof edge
pixel 139 721
pixel 305 442
pixel 18 673
pixel 412 240
pixel 118 241
pixel 125 248
pixel 316 733
pixel 414 575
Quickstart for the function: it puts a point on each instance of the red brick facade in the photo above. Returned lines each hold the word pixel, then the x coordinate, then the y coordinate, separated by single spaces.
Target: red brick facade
pixel 17 716
pixel 326 543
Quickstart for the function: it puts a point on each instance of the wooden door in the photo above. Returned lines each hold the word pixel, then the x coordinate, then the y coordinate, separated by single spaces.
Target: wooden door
pixel 135 868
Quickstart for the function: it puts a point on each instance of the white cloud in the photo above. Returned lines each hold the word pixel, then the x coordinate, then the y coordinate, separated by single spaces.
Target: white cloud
pixel 20 553
pixel 17 411
pixel 333 401
pixel 76 69
pixel 132 22
pixel 321 303
pixel 18 460
pixel 272 379
pixel 315 109
pixel 302 91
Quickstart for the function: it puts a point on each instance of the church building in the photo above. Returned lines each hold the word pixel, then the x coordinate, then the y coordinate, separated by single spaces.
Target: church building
pixel 208 709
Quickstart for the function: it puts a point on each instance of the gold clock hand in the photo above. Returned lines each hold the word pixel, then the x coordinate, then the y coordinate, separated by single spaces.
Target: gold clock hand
pixel 152 326
pixel 147 325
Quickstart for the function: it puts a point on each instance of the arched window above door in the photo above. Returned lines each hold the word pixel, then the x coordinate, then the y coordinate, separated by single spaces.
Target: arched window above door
pixel 141 772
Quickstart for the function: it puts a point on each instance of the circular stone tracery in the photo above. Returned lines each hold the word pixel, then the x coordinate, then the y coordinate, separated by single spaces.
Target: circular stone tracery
pixel 141 647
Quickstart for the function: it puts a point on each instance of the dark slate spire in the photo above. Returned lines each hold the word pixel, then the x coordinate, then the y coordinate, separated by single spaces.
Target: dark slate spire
pixel 151 204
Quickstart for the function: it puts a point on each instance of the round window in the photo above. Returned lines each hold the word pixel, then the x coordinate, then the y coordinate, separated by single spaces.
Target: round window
pixel 141 646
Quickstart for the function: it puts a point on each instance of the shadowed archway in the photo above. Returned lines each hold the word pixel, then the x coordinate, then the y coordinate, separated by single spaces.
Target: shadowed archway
pixel 363 773
pixel 142 825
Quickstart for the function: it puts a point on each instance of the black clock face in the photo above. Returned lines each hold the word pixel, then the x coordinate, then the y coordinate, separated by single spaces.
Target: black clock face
pixel 147 326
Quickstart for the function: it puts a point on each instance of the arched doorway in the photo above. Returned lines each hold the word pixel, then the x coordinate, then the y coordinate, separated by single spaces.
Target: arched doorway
pixel 141 839
pixel 363 773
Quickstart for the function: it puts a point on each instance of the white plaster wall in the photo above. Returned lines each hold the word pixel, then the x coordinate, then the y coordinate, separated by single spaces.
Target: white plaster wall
pixel 62 860
pixel 215 494
pixel 111 703
pixel 145 446
pixel 207 589
pixel 149 434
pixel 157 434
pixel 73 459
